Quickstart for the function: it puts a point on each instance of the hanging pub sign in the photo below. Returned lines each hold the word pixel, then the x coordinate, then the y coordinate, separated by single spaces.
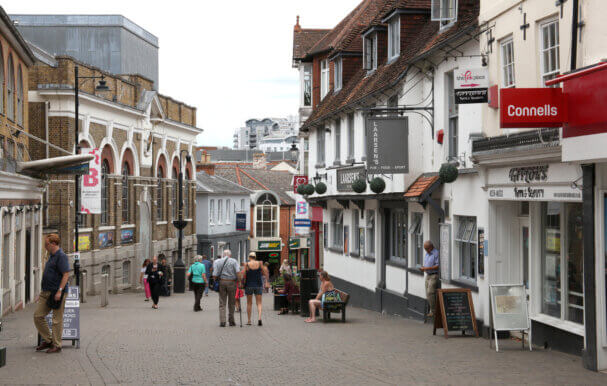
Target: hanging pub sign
pixel 532 107
pixel 470 85
pixel 241 221
pixel 387 145
pixel 345 177
pixel 90 184
pixel 299 180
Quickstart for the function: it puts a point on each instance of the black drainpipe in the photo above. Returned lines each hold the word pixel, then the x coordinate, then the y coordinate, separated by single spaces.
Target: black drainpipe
pixel 574 30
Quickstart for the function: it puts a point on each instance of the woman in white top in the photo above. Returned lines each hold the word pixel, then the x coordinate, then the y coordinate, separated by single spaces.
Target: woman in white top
pixel 143 279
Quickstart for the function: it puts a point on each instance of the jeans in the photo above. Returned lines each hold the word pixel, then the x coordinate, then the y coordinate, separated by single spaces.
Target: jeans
pixel 227 291
pixel 198 287
pixel 40 319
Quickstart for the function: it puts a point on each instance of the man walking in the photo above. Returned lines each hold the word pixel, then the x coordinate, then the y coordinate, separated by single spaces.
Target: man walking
pixel 227 271
pixel 431 262
pixel 209 270
pixel 54 280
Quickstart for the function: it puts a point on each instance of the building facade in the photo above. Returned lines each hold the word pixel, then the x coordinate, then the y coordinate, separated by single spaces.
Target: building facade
pixel 255 130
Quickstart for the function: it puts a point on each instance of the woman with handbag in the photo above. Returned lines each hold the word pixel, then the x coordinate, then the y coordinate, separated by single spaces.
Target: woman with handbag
pixel 197 276
pixel 154 273
pixel 254 270
pixel 143 279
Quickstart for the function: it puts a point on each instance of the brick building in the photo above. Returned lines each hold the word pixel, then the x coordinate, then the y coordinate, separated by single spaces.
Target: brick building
pixel 142 136
pixel 20 195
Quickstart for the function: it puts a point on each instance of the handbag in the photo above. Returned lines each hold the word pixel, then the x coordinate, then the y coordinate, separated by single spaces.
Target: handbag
pixel 55 304
pixel 191 279
pixel 216 282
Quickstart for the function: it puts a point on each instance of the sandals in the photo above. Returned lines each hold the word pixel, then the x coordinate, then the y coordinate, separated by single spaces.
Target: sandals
pixel 248 323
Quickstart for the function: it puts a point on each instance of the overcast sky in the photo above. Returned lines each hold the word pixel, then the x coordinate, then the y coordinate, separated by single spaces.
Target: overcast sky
pixel 230 59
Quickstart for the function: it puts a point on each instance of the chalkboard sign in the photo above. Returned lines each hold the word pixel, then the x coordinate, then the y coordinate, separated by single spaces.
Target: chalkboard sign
pixel 455 311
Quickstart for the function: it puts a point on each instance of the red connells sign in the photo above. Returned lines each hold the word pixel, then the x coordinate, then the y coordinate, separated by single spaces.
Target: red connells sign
pixel 532 107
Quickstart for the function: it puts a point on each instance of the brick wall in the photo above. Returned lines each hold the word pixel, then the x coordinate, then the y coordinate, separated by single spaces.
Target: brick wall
pixel 350 65
pixel 409 28
pixel 285 229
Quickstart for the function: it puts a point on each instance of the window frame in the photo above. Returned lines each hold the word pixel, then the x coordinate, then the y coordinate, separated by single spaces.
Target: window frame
pixel 267 201
pixel 228 217
pixel 320 146
pixel 306 87
pixel 126 196
pixel 219 211
pixel 394 38
pixel 552 73
pixel 20 97
pixel 212 211
pixel 105 193
pixel 438 12
pixel 350 123
pixel 338 73
pixel 466 246
pixel 325 71
pixel 337 228
pixel 417 238
pixel 507 67
pixel 370 224
pixel 10 90
pixel 337 139
pixel 160 195
pixel 452 115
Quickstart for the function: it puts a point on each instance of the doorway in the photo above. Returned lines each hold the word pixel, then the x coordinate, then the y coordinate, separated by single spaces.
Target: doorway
pixel 145 228
pixel 28 265
pixel 523 232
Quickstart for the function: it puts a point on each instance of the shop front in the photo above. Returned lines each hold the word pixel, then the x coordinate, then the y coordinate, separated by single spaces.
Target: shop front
pixel 299 253
pixel 268 251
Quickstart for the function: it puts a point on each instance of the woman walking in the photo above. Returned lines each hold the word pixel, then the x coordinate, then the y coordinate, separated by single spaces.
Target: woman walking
pixel 254 270
pixel 155 279
pixel 199 277
pixel 143 279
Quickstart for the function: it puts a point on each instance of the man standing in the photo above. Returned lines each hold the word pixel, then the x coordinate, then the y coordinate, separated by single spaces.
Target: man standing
pixel 208 266
pixel 54 280
pixel 227 271
pixel 431 261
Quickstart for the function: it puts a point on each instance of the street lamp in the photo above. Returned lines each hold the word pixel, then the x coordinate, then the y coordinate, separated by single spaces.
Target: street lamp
pixel 102 86
pixel 179 266
pixel 294 151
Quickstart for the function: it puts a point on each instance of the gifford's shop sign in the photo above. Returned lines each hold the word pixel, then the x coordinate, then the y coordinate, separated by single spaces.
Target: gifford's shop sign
pixel 345 177
pixel 532 107
pixel 550 182
pixel 471 85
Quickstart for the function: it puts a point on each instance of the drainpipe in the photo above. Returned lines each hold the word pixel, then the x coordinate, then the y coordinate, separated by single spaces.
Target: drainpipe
pixel 574 31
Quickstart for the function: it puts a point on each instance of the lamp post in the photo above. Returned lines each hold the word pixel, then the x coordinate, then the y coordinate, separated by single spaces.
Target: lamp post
pixel 102 86
pixel 179 266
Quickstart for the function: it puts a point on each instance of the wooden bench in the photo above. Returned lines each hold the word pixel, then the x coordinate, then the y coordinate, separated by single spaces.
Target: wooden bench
pixel 335 301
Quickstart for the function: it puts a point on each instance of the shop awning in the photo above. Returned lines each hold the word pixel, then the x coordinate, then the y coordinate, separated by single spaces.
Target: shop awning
pixel 69 164
pixel 421 191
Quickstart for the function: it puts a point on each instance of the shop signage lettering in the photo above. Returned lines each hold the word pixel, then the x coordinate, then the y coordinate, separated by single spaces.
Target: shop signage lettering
pixel 268 245
pixel 532 107
pixel 528 193
pixel 345 178
pixel 471 85
pixel 529 174
pixel 387 145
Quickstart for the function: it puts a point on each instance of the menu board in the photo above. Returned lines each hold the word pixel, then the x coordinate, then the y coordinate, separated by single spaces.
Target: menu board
pixel 455 311
pixel 509 307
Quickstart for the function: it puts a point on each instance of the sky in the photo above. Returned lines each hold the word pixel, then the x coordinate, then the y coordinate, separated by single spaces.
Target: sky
pixel 229 59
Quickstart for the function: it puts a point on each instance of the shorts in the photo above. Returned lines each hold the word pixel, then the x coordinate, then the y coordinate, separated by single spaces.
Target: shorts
pixel 253 290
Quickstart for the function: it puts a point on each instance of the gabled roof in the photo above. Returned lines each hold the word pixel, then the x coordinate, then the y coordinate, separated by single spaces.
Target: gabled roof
pixel 304 39
pixel 279 182
pixel 428 38
pixel 206 183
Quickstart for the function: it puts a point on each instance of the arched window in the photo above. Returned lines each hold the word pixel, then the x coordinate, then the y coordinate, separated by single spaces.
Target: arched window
pixel 266 216
pixel 105 192
pixel 10 90
pixel 1 81
pixel 125 193
pixel 20 97
pixel 160 196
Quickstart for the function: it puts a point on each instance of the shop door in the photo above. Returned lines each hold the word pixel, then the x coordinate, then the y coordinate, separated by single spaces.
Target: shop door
pixel 505 268
pixel 28 265
pixel 523 232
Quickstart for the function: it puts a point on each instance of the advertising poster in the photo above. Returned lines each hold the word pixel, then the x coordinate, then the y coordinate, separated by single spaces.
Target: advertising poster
pixel 106 239
pixel 71 315
pixel 241 221
pixel 90 184
pixel 84 242
pixel 127 236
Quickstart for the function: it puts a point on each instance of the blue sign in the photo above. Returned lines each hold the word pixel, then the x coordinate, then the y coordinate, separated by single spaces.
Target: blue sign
pixel 241 221
pixel 127 236
pixel 302 222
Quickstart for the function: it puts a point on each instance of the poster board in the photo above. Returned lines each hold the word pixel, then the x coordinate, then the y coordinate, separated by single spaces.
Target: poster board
pixel 455 311
pixel 71 316
pixel 509 307
pixel 445 252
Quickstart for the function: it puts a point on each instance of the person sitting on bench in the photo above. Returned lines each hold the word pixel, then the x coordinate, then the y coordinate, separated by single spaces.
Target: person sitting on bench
pixel 326 286
pixel 290 289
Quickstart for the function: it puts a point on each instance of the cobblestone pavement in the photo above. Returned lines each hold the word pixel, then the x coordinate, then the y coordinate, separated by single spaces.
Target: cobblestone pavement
pixel 130 343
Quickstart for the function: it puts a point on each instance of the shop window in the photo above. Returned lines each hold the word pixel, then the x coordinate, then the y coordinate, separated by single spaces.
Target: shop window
pixel 370 242
pixel 337 228
pixel 524 209
pixel 105 192
pixel 266 216
pixel 562 261
pixel 398 235
pixel 417 239
pixel 466 247
pixel 355 231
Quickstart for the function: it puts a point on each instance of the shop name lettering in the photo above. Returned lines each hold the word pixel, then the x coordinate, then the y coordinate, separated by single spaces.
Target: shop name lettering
pixel 348 178
pixel 375 144
pixel 533 111
pixel 528 193
pixel 529 174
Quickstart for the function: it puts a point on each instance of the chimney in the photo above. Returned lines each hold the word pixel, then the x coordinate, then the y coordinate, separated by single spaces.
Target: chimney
pixel 259 161
pixel 297 27
pixel 205 165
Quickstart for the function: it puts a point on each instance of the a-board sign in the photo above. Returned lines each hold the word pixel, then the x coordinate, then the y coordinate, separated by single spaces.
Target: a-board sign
pixel 71 315
pixel 509 307
pixel 454 311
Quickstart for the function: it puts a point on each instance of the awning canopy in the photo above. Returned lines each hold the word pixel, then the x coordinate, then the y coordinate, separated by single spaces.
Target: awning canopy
pixel 69 164
pixel 422 188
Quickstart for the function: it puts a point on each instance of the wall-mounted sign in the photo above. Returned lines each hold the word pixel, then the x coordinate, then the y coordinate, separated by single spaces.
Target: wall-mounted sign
pixel 84 242
pixel 90 184
pixel 299 180
pixel 298 243
pixel 345 177
pixel 471 85
pixel 106 239
pixel 127 236
pixel 241 221
pixel 532 107
pixel 387 145
pixel 269 245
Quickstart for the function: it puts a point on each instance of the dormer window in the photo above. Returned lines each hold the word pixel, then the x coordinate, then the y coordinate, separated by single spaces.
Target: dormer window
pixel 370 52
pixel 394 38
pixel 338 78
pixel 324 78
pixel 444 11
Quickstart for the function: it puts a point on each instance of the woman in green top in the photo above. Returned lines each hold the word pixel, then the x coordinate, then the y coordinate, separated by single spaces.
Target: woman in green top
pixel 199 278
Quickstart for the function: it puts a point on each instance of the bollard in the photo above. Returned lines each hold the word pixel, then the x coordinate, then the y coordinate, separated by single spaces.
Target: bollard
pixel 105 282
pixel 83 287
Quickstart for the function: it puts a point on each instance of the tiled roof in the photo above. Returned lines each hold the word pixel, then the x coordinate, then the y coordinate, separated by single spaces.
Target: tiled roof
pixel 304 39
pixel 279 182
pixel 361 85
pixel 206 183
pixel 421 184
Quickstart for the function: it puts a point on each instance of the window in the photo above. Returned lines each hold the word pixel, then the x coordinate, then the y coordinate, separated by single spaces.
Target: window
pixel 562 261
pixel 338 73
pixel 211 211
pixel 266 218
pixel 228 204
pixel 417 239
pixel 307 86
pixel 186 195
pixel 324 78
pixel 351 137
pixel 20 152
pixel 126 272
pixel 1 81
pixel 337 141
pixel 10 90
pixel 507 51
pixel 2 146
pixel 125 193
pixel 465 246
pixel 337 228
pixel 444 11
pixel 452 114
pixel 370 244
pixel 159 196
pixel 105 192
pixel 549 55
pixel 175 200
pixel 355 231
pixel 219 211
pixel 20 98
pixel 370 52
pixel 394 38
pixel 10 148
pixel 398 235
pixel 320 146
pixel 242 201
